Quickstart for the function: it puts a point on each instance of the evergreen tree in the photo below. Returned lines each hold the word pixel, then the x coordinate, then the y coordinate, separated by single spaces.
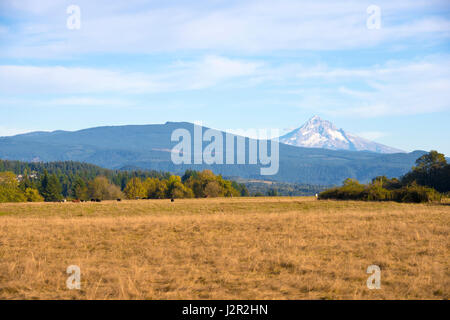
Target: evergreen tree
pixel 79 189
pixel 26 183
pixel 50 188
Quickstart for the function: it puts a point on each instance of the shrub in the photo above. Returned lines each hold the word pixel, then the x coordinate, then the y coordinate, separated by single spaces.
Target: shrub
pixel 329 194
pixel 33 195
pixel 416 194
pixel 376 193
pixel 11 195
pixel 352 190
pixel 9 188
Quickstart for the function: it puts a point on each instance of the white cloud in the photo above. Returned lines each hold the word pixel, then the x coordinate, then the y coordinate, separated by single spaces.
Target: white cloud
pixel 139 27
pixel 395 88
pixel 203 73
pixel 31 79
pixel 372 135
pixel 6 131
pixel 86 101
pixel 209 71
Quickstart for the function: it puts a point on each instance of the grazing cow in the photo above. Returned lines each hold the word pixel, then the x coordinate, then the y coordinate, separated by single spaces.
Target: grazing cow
pixel 98 200
pixel 119 200
pixel 76 201
pixel 172 200
pixel 92 200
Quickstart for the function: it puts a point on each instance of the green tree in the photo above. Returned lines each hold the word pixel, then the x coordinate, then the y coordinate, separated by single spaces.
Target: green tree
pixel 155 188
pixel 114 192
pixel 431 170
pixel 189 173
pixel 50 188
pixel 206 184
pixel 26 182
pixel 33 195
pixel 431 160
pixel 100 188
pixel 80 189
pixel 212 189
pixel 135 189
pixel 9 188
pixel 241 188
pixel 386 183
pixel 350 182
pixel 176 189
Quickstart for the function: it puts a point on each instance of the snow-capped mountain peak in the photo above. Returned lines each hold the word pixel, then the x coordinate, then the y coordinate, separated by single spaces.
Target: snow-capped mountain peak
pixel 319 133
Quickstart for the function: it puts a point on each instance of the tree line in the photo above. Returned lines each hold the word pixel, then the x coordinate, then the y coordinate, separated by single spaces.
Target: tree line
pixel 424 183
pixel 20 181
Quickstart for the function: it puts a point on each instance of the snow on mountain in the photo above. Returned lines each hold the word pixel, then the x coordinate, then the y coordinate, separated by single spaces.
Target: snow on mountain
pixel 318 133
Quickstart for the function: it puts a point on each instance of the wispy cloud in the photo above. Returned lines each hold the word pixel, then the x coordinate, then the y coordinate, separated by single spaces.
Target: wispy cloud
pixel 394 88
pixel 372 135
pixel 80 101
pixel 177 76
pixel 252 26
pixel 62 80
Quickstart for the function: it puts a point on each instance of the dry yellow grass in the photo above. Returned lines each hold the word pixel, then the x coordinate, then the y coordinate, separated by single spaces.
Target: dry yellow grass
pixel 240 248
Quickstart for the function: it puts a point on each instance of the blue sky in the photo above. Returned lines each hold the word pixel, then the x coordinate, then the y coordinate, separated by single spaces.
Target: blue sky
pixel 231 65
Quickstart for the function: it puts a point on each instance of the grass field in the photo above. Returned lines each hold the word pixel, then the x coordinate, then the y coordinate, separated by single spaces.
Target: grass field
pixel 239 248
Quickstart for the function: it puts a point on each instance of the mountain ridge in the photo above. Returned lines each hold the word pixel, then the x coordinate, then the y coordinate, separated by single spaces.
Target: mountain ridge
pixel 148 147
pixel 319 133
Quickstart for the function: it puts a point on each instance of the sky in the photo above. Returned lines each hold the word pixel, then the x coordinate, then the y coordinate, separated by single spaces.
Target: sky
pixel 378 69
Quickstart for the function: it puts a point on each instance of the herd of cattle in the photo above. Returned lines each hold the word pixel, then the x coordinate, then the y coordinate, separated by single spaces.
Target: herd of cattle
pixel 92 200
pixel 98 200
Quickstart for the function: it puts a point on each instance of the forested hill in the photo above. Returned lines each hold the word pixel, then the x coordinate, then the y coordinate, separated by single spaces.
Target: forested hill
pixel 69 171
pixel 148 147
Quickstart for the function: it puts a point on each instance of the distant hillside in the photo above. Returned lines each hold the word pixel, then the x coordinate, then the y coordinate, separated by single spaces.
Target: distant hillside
pixel 69 170
pixel 148 147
